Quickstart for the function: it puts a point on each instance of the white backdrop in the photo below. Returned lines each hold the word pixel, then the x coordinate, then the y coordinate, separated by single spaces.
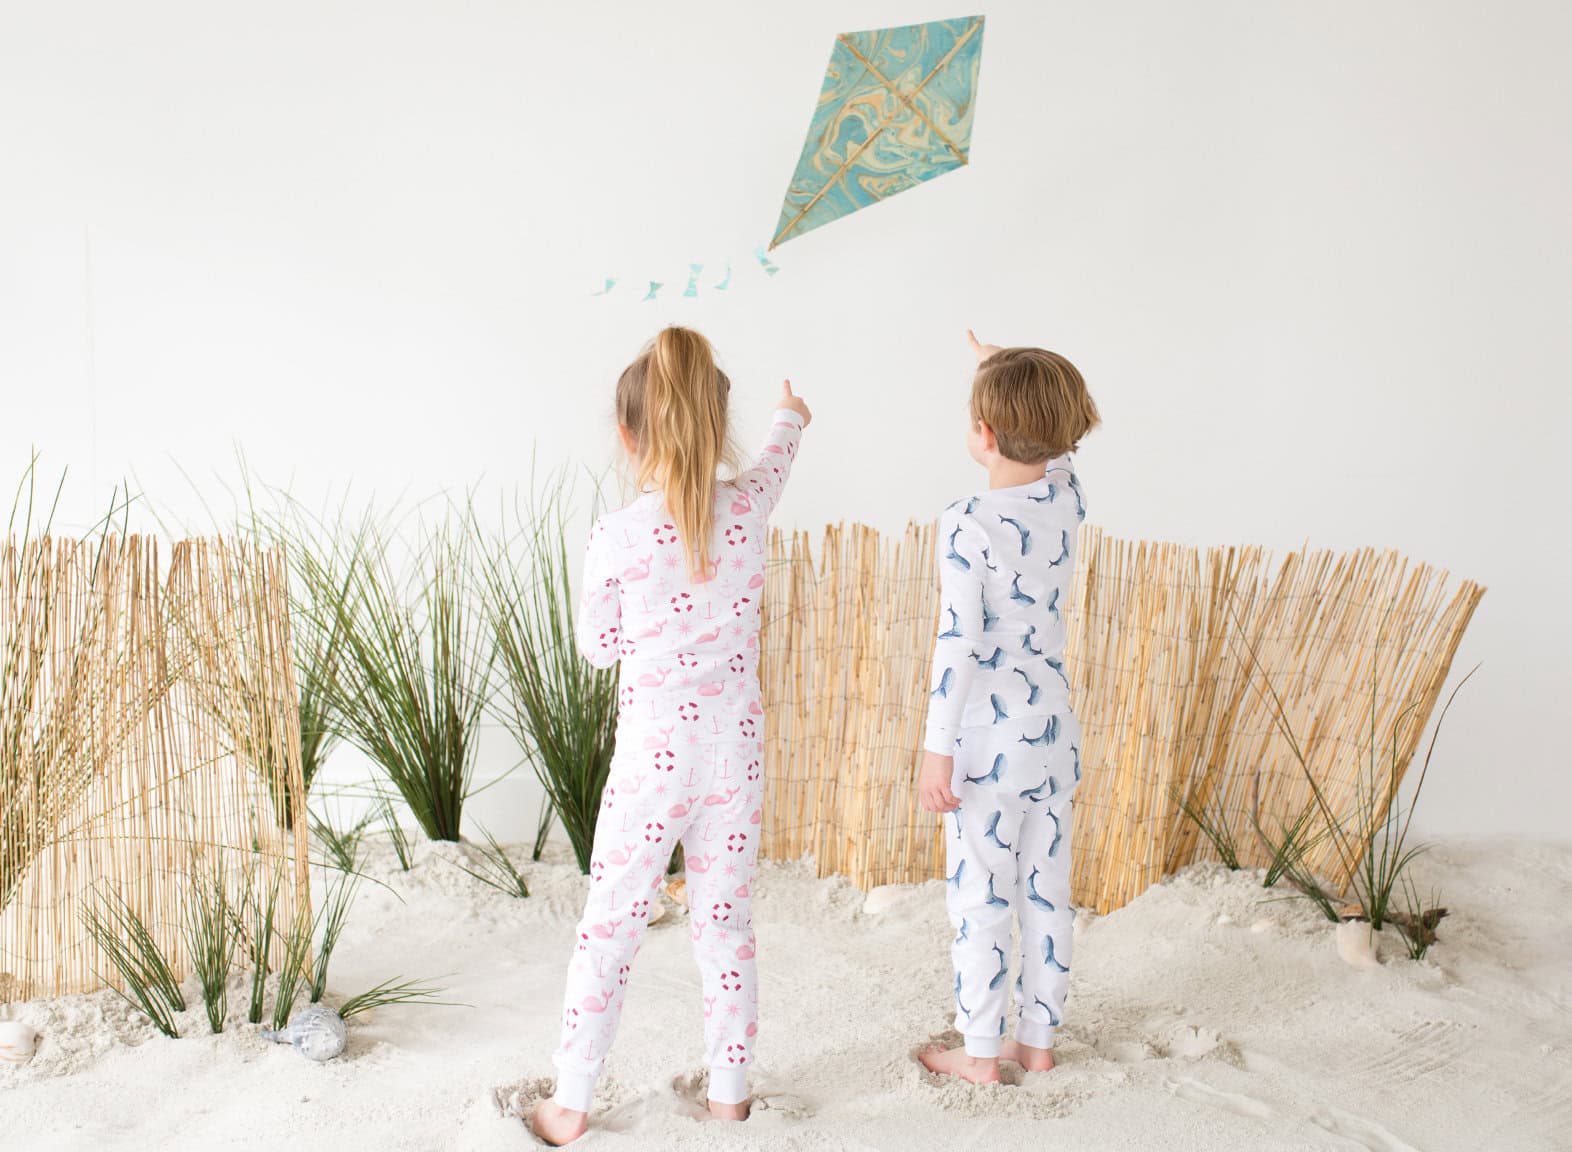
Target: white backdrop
pixel 1313 259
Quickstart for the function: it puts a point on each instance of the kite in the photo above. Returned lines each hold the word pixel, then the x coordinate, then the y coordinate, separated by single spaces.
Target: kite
pixel 895 110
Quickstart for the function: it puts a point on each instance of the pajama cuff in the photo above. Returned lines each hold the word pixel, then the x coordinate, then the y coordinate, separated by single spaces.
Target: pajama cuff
pixel 575 1090
pixel 728 1085
pixel 1034 1034
pixel 940 740
pixel 982 1047
pixel 782 416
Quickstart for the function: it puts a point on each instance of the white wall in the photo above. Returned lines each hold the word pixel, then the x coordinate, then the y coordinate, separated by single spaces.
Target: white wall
pixel 1313 258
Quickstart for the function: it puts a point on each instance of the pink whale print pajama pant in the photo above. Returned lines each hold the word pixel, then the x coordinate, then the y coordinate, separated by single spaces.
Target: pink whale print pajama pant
pixel 706 797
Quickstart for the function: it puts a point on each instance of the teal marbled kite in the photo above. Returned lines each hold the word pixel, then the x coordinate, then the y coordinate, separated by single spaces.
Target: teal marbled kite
pixel 895 110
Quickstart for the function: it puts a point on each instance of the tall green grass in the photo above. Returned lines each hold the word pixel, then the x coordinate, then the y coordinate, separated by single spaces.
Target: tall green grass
pixel 562 711
pixel 211 930
pixel 133 952
pixel 413 681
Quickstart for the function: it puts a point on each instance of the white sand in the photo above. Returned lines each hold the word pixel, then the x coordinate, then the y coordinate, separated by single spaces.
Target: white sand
pixel 1206 1015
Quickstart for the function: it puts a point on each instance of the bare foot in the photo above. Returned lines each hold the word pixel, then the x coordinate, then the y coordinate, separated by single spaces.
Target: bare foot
pixel 955 1062
pixel 728 1111
pixel 1032 1059
pixel 557 1125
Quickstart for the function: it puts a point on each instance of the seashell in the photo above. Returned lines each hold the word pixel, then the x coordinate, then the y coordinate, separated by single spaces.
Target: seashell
pixel 678 890
pixel 1356 944
pixel 316 1032
pixel 17 1042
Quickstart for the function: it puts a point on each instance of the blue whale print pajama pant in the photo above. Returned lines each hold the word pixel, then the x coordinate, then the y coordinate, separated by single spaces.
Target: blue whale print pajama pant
pixel 1008 863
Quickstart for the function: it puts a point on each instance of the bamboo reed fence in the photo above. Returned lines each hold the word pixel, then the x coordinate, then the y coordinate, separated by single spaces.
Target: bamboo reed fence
pixel 147 728
pixel 1170 654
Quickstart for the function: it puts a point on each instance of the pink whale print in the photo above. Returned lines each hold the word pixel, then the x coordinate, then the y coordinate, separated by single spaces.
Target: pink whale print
pixel 639 571
pixel 652 632
pixel 661 741
pixel 678 811
pixel 654 679
pixel 757 817
pixel 741 505
pixel 711 689
pixel 591 1004
pixel 756 581
pixel 621 856
pixel 715 798
pixel 710 637
pixel 745 952
pixel 742 892
pixel 606 931
pixel 701 864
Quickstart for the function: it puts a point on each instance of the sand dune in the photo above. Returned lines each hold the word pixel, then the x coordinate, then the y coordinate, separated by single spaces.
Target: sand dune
pixel 1205 1015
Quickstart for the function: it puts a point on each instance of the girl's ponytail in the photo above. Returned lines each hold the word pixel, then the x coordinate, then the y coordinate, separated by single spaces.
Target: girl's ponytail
pixel 673 399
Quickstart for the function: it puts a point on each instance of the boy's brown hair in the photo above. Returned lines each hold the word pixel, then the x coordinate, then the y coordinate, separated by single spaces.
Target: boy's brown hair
pixel 1035 401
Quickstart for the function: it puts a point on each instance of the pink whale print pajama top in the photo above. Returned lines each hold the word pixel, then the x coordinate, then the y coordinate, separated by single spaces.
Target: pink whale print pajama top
pixel 688 765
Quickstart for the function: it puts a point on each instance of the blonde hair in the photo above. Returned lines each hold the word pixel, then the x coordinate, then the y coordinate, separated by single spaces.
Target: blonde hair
pixel 673 400
pixel 1035 401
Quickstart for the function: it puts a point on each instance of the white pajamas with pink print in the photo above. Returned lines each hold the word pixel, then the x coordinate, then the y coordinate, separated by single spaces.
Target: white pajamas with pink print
pixel 688 765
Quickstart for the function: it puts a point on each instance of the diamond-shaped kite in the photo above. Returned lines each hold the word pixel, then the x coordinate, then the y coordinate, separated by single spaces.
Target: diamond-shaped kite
pixel 896 109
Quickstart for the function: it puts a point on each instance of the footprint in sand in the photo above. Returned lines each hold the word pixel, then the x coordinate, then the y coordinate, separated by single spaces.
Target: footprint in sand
pixel 1235 1102
pixel 1366 1133
pixel 692 1090
pixel 517 1101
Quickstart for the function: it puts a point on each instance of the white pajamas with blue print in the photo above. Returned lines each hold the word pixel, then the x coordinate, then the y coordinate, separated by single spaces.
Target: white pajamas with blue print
pixel 1000 704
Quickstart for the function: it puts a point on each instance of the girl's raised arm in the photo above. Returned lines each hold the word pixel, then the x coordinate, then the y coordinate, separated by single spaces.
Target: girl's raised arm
pixel 767 478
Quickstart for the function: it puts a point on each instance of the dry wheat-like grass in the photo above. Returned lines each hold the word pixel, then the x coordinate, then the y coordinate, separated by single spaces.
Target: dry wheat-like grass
pixel 1167 653
pixel 144 724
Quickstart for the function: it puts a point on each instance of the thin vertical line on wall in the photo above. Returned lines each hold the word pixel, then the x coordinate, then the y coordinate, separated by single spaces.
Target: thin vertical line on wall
pixel 91 347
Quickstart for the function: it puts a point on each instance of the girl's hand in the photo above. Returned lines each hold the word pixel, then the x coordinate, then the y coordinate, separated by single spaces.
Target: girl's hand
pixel 794 403
pixel 933 783
pixel 980 350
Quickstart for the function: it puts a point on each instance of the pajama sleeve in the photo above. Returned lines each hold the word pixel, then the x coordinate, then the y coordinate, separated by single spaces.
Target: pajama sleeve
pixel 764 481
pixel 961 644
pixel 599 623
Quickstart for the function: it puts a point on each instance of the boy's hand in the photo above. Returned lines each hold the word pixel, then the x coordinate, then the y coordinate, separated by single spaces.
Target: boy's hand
pixel 933 783
pixel 980 350
pixel 794 403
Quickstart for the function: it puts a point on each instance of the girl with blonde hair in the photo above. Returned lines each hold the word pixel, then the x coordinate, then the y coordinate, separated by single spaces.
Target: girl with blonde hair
pixel 671 589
